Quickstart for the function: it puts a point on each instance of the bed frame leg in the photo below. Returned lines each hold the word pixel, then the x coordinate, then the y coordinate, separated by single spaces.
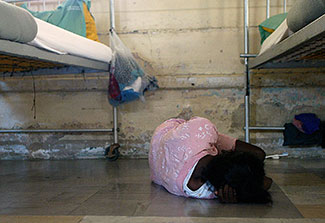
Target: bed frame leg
pixel 115 128
pixel 247 84
pixel 247 138
pixel 112 152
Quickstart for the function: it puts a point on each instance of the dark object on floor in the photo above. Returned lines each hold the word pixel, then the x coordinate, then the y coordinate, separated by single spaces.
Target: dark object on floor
pixel 292 136
pixel 322 129
pixel 310 122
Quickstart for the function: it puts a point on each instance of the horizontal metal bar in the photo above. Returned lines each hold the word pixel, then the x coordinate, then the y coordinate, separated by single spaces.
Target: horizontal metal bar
pixel 16 1
pixel 291 64
pixel 243 55
pixel 53 130
pixel 50 71
pixel 276 128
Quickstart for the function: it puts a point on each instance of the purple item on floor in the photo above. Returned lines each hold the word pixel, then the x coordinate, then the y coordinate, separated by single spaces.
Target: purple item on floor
pixel 310 122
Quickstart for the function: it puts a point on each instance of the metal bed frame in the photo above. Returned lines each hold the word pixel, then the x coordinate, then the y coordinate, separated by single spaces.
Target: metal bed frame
pixel 305 48
pixel 20 59
pixel 28 60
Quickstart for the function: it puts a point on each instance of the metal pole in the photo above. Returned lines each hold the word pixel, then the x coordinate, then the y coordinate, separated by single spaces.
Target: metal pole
pixel 267 9
pixel 115 124
pixel 53 130
pixel 246 35
pixel 112 14
pixel 284 6
pixel 247 120
pixel 242 55
pixel 275 128
pixel 112 24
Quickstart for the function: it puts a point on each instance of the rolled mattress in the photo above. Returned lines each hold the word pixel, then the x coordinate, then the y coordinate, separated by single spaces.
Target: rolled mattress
pixel 16 24
pixel 304 12
pixel 58 40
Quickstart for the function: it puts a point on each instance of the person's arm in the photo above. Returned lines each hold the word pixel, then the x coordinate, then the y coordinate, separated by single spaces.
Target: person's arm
pixel 246 147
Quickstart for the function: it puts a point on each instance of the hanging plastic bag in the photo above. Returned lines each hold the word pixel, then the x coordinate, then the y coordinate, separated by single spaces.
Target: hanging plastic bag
pixel 131 79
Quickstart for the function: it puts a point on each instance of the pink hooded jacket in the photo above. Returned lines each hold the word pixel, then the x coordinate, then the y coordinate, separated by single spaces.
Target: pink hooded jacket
pixel 177 145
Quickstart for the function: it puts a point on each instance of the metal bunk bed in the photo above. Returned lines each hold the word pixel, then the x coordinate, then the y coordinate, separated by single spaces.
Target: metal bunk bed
pixel 305 48
pixel 19 59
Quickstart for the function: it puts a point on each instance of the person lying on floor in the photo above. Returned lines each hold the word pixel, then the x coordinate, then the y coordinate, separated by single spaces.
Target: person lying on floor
pixel 192 159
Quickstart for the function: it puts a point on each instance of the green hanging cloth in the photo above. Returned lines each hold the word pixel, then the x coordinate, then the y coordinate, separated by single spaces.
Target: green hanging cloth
pixel 69 16
pixel 267 27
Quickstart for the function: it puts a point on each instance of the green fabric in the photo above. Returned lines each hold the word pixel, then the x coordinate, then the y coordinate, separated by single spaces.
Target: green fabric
pixel 16 24
pixel 304 12
pixel 69 16
pixel 271 23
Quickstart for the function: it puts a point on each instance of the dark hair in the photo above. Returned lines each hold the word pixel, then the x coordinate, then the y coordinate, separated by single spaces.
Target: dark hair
pixel 242 171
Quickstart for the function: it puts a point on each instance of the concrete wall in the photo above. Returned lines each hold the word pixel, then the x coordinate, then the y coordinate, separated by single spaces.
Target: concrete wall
pixel 192 47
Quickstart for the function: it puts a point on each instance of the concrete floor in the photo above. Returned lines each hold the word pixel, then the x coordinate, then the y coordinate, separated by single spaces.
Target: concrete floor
pixel 121 191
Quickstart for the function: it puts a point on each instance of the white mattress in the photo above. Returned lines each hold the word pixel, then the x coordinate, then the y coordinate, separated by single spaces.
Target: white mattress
pixel 58 40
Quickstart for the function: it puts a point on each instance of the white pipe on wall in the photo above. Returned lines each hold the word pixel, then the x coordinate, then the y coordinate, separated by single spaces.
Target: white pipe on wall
pixel 267 9
pixel 112 14
pixel 246 31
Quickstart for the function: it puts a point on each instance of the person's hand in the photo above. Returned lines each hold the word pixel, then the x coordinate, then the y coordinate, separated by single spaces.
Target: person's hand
pixel 226 194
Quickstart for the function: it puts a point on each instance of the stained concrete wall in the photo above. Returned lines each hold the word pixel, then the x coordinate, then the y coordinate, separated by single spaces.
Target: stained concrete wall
pixel 192 47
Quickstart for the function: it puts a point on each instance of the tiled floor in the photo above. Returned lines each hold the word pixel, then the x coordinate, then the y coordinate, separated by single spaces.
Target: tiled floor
pixel 121 191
